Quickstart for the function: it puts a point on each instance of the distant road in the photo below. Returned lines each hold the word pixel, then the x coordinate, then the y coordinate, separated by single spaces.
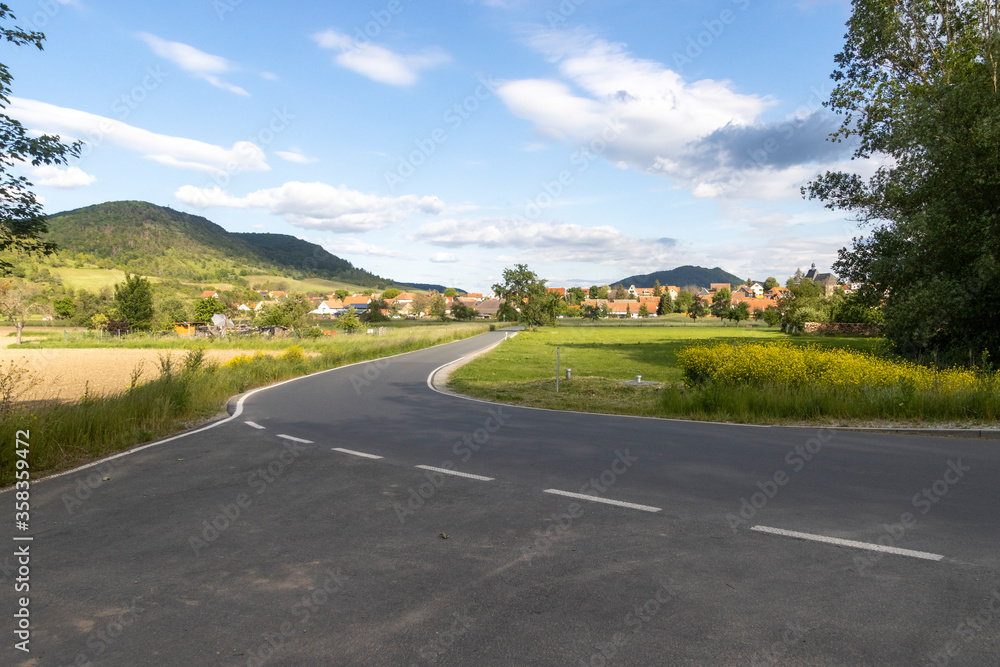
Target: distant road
pixel 323 525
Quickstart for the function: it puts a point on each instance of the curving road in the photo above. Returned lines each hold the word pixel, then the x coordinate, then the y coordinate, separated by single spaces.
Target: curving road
pixel 323 524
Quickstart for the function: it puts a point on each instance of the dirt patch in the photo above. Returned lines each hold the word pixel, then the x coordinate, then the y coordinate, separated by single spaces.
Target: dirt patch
pixel 65 375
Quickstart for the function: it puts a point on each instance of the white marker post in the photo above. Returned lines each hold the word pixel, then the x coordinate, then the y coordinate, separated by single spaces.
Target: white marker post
pixel 557 370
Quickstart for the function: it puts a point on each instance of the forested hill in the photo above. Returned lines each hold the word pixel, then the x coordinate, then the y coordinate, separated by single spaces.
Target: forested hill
pixel 683 276
pixel 157 241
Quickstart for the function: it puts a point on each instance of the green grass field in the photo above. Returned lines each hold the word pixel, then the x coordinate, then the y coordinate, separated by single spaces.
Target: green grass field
pixel 523 370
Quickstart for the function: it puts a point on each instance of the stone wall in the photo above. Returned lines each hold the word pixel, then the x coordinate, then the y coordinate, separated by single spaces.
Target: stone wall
pixel 846 328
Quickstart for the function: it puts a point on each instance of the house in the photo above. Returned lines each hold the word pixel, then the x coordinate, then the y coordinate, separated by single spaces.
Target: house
pixel 187 328
pixel 250 306
pixel 209 294
pixel 640 291
pixel 359 302
pixel 651 302
pixel 474 295
pixel 776 292
pixel 673 290
pixel 827 281
pixel 488 308
pixel 558 291
pixel 328 307
pixel 715 287
pixel 624 309
pixel 278 295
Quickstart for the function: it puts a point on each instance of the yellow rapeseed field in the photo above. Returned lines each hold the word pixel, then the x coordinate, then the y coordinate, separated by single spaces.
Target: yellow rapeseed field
pixel 780 363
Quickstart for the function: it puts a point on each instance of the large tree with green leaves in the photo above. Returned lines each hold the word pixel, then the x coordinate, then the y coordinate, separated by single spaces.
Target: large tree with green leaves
pixel 917 85
pixel 523 291
pixel 134 302
pixel 22 222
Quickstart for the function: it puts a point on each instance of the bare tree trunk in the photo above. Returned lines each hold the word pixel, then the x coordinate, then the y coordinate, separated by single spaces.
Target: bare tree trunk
pixel 19 326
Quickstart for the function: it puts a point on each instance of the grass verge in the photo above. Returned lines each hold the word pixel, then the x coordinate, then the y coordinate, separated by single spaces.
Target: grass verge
pixel 522 371
pixel 187 392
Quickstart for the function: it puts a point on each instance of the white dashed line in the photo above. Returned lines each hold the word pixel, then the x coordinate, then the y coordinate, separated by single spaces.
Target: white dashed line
pixel 619 503
pixel 354 453
pixel 254 425
pixel 445 471
pixel 848 543
pixel 294 439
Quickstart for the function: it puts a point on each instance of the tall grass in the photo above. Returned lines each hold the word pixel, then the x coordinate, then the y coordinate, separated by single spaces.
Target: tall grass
pixel 67 434
pixel 777 382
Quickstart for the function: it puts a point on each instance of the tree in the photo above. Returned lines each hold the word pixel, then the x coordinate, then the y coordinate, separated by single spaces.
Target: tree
pixel 134 301
pixel 18 299
pixel 421 302
pixel 64 308
pixel 917 87
pixel 684 302
pixel 657 288
pixel 771 283
pixel 341 294
pixel 391 293
pixel 665 305
pixel 772 316
pixel 462 312
pixel 643 310
pixel 621 293
pixel 592 312
pixel 451 291
pixel 597 292
pixel 526 293
pixel 721 301
pixel 697 309
pixel 575 296
pixel 349 321
pixel 741 312
pixel 289 313
pixel 22 222
pixel 438 306
pixel 373 313
pixel 205 308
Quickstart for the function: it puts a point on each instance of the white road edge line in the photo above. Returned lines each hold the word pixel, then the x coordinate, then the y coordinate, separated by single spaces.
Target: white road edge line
pixel 848 543
pixel 294 439
pixel 608 501
pixel 254 425
pixel 445 471
pixel 354 453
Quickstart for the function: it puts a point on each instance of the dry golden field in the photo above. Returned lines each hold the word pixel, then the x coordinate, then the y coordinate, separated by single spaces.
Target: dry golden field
pixel 66 374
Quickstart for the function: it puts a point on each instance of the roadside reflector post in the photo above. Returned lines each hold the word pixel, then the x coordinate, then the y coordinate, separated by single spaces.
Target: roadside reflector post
pixel 557 370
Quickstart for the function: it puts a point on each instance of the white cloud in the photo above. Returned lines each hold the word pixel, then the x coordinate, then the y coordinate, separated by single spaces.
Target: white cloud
pixel 172 151
pixel 639 113
pixel 351 246
pixel 552 242
pixel 54 177
pixel 377 62
pixel 297 156
pixel 318 206
pixel 443 258
pixel 198 63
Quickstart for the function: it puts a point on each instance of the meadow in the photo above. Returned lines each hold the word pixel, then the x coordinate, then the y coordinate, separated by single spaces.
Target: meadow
pixel 707 372
pixel 179 391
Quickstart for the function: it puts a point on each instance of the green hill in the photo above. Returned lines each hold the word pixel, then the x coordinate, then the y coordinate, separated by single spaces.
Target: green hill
pixel 683 276
pixel 157 241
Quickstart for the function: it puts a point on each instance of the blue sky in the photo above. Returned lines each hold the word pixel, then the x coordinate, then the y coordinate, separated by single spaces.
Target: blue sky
pixel 442 142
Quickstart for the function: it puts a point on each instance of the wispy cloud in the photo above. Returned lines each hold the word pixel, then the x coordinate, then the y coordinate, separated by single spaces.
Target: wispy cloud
pixel 297 156
pixel 318 206
pixel 377 62
pixel 198 63
pixel 172 151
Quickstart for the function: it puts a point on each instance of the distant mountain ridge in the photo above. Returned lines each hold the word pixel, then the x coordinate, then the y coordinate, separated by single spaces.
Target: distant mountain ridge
pixel 683 276
pixel 156 240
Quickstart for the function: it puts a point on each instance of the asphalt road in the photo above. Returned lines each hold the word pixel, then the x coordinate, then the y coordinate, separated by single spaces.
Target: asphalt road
pixel 275 538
